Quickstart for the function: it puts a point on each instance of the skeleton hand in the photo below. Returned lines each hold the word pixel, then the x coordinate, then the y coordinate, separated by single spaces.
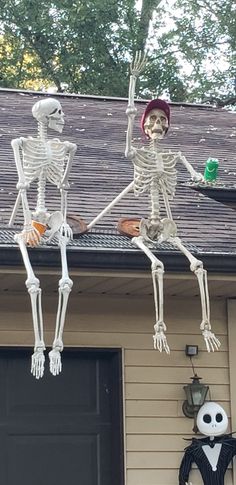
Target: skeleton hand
pixel 66 231
pixel 197 177
pixel 160 340
pixel 138 64
pixel 211 341
pixel 30 235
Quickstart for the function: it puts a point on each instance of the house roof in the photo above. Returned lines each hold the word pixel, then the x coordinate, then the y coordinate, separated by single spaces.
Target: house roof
pixel 100 171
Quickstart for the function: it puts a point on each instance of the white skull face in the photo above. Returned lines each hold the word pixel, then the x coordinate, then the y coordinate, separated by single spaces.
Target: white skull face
pixel 156 124
pixel 49 111
pixel 212 419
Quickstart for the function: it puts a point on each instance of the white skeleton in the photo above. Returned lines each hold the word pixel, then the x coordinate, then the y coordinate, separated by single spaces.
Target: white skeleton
pixel 155 173
pixel 43 160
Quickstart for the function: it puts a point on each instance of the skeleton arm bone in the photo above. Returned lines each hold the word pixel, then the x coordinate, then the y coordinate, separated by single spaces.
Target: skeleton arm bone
pixel 131 112
pixel 30 234
pixel 71 150
pixel 109 206
pixel 21 185
pixel 64 186
pixel 136 68
pixel 196 176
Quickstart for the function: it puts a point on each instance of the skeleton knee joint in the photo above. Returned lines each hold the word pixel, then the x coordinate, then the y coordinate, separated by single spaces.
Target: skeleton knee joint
pixel 157 267
pixel 32 284
pixel 196 266
pixel 65 285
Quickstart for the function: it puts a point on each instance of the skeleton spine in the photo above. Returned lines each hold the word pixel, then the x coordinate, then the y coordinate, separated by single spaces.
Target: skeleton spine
pixel 42 131
pixel 41 193
pixel 155 205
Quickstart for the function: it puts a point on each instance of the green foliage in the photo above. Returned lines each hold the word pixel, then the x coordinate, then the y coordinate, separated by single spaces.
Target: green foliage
pixel 85 46
pixel 204 34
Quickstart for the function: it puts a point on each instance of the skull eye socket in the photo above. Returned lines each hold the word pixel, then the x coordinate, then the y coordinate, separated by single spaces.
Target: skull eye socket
pixel 219 418
pixel 59 111
pixel 153 118
pixel 207 418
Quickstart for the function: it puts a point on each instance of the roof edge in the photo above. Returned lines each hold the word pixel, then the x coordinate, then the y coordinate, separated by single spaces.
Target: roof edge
pixel 116 259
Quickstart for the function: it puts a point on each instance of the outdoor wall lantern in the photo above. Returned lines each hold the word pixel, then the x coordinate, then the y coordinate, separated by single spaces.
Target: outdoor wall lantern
pixel 195 397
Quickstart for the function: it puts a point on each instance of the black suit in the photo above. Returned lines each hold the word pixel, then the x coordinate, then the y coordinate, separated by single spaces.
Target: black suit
pixel 195 454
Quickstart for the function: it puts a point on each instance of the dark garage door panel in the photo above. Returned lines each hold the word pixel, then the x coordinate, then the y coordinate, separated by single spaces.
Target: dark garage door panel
pixel 63 429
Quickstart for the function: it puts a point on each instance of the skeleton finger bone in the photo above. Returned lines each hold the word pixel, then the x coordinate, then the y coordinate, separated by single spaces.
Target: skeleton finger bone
pixel 160 341
pixel 66 231
pixel 211 341
pixel 30 236
pixel 139 63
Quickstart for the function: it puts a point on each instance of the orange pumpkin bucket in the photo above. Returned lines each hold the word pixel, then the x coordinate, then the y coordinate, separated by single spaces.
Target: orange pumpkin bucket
pixel 41 228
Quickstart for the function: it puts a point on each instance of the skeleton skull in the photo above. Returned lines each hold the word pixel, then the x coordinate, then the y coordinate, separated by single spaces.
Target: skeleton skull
pixel 212 419
pixel 156 124
pixel 49 111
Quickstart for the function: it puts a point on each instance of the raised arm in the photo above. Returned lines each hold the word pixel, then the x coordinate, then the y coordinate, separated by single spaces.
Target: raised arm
pixel 136 67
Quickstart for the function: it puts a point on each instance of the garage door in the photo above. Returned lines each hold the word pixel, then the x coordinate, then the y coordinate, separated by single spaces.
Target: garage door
pixel 63 430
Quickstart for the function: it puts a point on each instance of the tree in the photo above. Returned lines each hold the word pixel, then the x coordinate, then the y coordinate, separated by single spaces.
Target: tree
pixel 204 34
pixel 85 46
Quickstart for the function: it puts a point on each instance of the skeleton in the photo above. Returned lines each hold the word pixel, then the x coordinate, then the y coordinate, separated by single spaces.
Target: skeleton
pixel 155 173
pixel 43 160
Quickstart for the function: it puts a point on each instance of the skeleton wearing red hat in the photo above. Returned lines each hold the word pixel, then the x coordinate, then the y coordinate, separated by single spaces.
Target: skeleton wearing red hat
pixel 155 173
pixel 156 118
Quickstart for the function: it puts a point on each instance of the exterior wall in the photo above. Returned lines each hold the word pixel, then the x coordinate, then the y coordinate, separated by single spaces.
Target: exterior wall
pixel 153 382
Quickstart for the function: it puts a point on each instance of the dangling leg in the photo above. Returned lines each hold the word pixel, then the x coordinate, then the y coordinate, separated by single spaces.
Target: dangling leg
pixel 32 284
pixel 196 266
pixel 64 289
pixel 160 341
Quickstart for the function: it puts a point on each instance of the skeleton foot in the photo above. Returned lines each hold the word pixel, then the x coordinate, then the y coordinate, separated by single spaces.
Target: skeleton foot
pixel 55 362
pixel 211 341
pixel 160 340
pixel 37 363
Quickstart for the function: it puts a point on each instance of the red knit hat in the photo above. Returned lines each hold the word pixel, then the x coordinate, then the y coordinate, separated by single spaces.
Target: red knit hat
pixel 156 104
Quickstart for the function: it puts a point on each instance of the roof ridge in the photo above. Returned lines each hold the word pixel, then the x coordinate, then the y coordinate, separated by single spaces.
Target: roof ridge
pixel 104 98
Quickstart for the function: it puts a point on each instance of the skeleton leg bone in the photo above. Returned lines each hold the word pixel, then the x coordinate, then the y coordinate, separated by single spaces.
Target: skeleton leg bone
pixel 196 266
pixel 160 341
pixel 64 289
pixel 32 284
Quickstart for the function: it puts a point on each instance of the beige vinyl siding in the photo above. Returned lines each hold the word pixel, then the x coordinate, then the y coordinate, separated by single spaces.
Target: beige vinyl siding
pixel 155 427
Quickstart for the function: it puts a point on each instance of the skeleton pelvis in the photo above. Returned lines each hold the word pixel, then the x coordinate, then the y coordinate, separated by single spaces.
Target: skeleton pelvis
pixel 158 231
pixel 54 223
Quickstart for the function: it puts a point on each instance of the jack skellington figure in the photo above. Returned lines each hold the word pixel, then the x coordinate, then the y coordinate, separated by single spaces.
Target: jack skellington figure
pixel 155 173
pixel 44 160
pixel 212 454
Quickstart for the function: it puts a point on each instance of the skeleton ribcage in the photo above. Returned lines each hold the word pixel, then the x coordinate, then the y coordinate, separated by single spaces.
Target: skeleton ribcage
pixel 47 158
pixel 150 166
